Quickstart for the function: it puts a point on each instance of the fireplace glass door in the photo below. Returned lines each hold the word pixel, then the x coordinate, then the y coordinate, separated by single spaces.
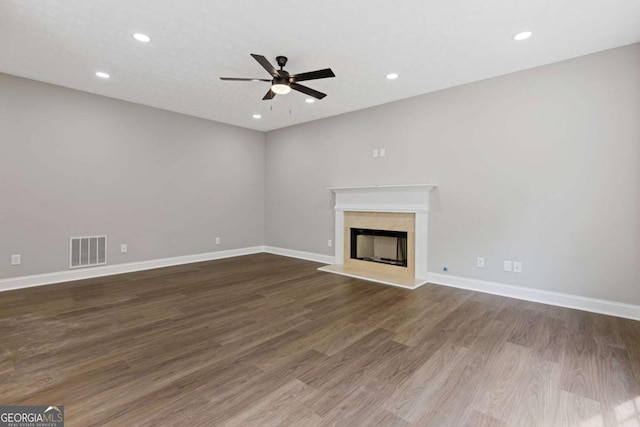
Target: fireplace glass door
pixel 381 246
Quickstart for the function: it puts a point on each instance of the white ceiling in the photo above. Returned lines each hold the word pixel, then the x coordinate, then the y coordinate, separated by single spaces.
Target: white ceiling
pixel 431 44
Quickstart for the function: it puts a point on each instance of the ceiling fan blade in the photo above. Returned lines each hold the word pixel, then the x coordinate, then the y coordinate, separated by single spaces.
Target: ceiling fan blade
pixel 308 91
pixel 238 79
pixel 270 95
pixel 266 64
pixel 313 75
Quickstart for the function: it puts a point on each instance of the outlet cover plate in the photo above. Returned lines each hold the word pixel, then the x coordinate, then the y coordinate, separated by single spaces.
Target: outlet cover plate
pixel 517 267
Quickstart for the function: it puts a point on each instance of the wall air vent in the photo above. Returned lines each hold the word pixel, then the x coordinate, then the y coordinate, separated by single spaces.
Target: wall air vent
pixel 87 251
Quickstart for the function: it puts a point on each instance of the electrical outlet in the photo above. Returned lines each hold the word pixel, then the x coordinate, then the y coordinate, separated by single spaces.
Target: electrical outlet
pixel 330 243
pixel 383 152
pixel 16 259
pixel 480 262
pixel 124 248
pixel 507 266
pixel 517 267
pixel 217 240
pixel 375 152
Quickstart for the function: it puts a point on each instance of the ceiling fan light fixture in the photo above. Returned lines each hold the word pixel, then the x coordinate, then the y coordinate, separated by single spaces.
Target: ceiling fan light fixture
pixel 281 88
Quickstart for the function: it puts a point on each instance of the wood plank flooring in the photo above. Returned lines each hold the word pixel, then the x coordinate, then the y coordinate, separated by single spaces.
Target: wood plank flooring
pixel 264 340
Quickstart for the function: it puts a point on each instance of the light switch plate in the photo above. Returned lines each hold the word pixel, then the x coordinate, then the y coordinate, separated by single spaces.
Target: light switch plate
pixel 508 266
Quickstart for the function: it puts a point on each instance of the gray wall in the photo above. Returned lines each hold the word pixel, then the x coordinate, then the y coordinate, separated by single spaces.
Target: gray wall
pixel 540 166
pixel 78 164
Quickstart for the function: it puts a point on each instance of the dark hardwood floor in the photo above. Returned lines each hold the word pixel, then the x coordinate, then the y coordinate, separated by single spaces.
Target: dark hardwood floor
pixel 266 340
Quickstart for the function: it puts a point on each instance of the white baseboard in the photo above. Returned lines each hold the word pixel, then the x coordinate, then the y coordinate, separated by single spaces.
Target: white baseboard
pixel 594 305
pixel 88 273
pixel 309 256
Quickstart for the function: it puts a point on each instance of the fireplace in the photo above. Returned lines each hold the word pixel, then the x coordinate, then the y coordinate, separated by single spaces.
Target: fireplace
pixel 381 233
pixel 382 246
pixel 380 243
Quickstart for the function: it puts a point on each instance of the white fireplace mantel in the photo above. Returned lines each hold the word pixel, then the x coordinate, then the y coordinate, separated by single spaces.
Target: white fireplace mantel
pixel 413 198
pixel 383 198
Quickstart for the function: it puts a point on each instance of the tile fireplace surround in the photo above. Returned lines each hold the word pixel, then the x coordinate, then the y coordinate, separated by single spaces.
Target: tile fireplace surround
pixel 390 207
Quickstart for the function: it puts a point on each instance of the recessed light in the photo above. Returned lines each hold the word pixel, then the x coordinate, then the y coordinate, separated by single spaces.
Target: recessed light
pixel 102 75
pixel 522 36
pixel 257 116
pixel 392 76
pixel 309 100
pixel 142 37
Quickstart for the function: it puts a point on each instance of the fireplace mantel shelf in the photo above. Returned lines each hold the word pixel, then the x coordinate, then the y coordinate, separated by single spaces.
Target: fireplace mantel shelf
pixel 383 198
pixel 398 187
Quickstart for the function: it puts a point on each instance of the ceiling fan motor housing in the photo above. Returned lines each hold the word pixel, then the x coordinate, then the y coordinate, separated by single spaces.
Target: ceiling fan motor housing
pixel 280 81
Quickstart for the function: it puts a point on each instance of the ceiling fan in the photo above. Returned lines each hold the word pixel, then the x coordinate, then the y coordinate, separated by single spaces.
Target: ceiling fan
pixel 282 82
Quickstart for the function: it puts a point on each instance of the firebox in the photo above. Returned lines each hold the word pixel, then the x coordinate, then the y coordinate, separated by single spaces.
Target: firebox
pixel 382 246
